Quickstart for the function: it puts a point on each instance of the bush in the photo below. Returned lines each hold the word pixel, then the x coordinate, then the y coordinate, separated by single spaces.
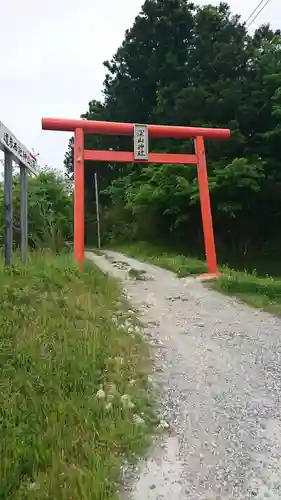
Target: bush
pixel 50 211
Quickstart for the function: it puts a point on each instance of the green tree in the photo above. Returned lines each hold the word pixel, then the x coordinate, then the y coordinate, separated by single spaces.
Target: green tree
pixel 50 210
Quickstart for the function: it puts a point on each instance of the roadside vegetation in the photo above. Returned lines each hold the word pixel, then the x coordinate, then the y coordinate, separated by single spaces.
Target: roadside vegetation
pixel 263 292
pixel 74 398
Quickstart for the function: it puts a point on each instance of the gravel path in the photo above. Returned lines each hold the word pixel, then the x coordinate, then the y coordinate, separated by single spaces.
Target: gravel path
pixel 218 363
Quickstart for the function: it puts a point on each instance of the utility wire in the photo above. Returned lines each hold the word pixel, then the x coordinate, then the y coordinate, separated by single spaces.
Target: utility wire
pixel 254 11
pixel 252 19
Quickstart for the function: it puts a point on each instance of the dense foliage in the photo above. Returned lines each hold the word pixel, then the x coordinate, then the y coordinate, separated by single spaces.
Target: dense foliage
pixel 50 212
pixel 189 65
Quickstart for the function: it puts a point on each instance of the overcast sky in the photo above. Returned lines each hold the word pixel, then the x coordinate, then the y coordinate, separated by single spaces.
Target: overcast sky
pixel 51 60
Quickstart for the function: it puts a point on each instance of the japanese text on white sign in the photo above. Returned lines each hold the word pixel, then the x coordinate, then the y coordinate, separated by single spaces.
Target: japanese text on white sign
pixel 9 142
pixel 141 148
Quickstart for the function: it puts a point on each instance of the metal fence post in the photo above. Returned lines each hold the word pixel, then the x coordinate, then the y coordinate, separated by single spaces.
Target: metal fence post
pixel 23 213
pixel 8 207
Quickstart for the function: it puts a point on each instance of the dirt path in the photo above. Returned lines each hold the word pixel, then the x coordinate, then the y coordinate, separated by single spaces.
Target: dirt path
pixel 218 363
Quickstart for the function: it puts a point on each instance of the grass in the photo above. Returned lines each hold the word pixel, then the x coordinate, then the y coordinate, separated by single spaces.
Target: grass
pixel 263 292
pixel 260 292
pixel 61 436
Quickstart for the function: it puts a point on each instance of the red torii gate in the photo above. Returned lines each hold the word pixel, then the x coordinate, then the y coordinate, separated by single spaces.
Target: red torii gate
pixel 79 127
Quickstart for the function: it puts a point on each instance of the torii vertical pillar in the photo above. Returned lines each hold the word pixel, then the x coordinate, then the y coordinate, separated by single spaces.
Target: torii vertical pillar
pixel 205 203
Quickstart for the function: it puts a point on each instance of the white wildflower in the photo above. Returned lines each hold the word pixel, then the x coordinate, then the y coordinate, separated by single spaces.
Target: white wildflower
pixel 163 425
pixel 34 486
pixel 100 394
pixel 126 401
pixel 138 420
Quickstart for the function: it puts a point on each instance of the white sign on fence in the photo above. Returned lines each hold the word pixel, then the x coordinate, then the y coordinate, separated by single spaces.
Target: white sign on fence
pixel 141 146
pixel 9 142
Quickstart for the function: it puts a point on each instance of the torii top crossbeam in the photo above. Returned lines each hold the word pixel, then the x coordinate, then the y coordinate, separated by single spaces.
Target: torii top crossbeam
pixel 117 128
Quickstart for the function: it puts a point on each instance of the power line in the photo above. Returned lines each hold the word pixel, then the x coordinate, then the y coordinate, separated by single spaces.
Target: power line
pixel 257 14
pixel 254 11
